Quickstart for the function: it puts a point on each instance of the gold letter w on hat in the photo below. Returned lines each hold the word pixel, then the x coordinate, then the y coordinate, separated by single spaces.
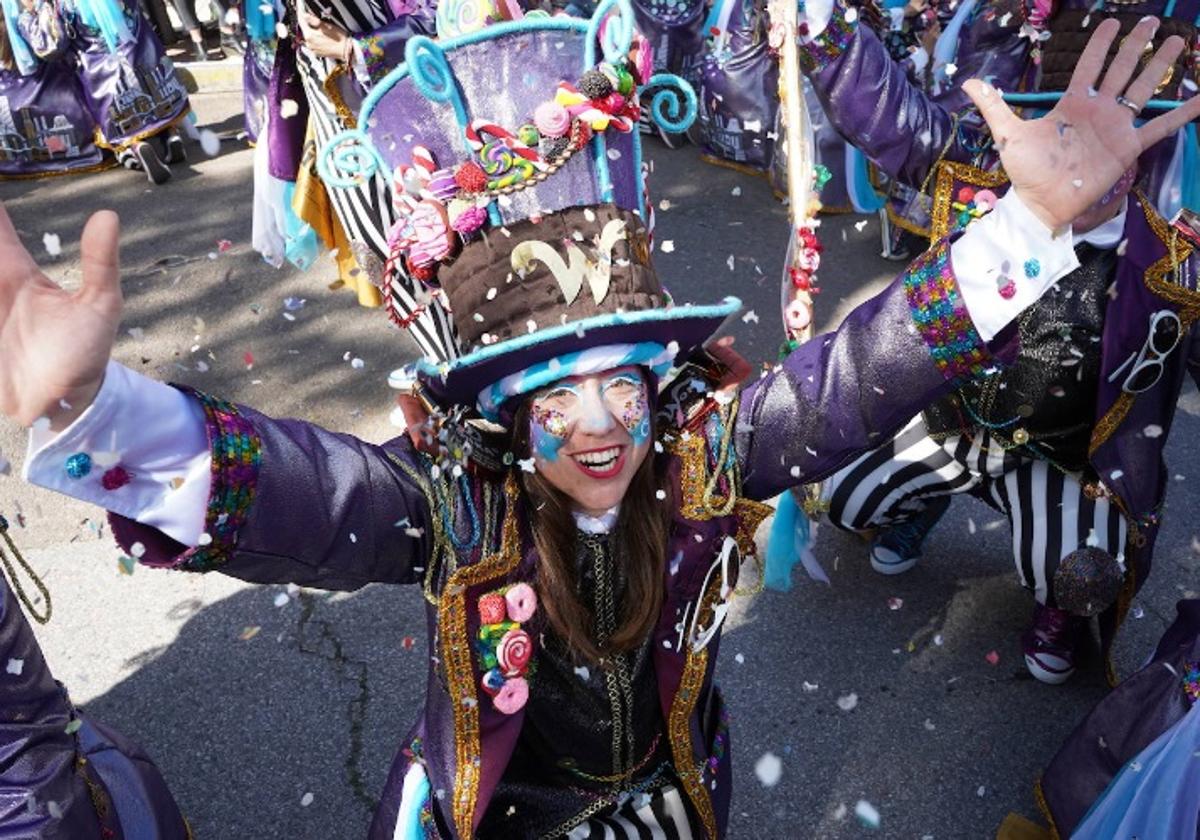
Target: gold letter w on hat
pixel 570 276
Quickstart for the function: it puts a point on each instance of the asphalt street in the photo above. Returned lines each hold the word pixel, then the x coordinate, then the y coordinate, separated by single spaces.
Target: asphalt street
pixel 252 698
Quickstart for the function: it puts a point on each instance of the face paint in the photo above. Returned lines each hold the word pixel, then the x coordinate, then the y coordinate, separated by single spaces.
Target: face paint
pixel 548 431
pixel 629 390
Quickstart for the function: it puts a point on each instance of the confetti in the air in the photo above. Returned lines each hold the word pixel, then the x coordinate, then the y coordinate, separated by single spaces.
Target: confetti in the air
pixel 668 246
pixel 288 108
pixel 53 245
pixel 768 769
pixel 15 667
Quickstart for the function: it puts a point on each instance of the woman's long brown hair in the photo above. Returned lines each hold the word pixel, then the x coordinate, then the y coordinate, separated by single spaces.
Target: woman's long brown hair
pixel 6 51
pixel 639 540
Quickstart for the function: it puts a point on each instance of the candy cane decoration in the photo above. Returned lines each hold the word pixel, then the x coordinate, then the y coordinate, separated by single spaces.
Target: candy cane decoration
pixel 476 142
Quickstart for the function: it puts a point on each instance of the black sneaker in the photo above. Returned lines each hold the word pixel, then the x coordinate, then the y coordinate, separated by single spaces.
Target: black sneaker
pixel 176 151
pixel 199 53
pixel 157 171
pixel 898 548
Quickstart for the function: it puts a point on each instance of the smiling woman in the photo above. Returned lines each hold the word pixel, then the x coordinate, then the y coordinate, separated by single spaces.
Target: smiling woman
pixel 576 565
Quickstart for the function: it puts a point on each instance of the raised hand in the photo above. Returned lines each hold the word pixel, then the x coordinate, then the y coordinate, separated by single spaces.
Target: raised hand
pixel 54 344
pixel 1065 161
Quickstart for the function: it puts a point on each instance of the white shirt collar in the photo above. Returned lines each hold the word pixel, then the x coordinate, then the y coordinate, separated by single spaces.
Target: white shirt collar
pixel 601 524
pixel 1106 235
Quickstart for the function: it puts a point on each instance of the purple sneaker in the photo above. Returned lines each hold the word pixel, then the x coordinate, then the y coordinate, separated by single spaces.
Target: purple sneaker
pixel 1050 644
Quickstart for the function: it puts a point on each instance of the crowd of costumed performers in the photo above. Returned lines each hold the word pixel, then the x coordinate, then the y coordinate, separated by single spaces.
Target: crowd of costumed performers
pixel 84 83
pixel 583 470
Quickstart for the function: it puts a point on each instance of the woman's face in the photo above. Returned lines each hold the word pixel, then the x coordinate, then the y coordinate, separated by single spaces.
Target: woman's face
pixel 589 434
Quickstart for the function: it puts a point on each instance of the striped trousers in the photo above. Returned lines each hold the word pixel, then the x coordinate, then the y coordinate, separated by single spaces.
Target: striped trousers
pixel 1049 515
pixel 658 815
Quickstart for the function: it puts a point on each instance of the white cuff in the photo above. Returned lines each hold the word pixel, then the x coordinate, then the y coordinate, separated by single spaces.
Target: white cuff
pixel 1006 260
pixel 140 429
pixel 359 64
pixel 816 13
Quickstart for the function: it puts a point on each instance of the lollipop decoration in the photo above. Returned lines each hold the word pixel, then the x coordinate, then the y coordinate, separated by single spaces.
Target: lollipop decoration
pixel 440 208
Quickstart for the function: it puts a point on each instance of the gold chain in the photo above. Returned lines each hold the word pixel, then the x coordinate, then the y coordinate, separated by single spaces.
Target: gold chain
pixel 15 581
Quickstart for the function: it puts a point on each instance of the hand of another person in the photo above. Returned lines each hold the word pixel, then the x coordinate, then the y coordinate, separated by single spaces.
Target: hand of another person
pixel 325 38
pixel 1065 161
pixel 55 344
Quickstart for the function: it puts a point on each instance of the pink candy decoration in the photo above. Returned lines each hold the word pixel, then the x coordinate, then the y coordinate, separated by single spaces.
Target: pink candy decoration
pixel 522 602
pixel 513 652
pixel 985 200
pixel 512 696
pixel 442 185
pixel 642 55
pixel 431 235
pixel 1008 290
pixel 551 119
pixel 469 220
pixel 797 315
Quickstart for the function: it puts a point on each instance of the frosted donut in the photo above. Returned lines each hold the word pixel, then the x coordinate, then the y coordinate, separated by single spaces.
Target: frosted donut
pixel 521 601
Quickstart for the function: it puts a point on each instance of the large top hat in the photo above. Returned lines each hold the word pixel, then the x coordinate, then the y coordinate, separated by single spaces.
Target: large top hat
pixel 518 177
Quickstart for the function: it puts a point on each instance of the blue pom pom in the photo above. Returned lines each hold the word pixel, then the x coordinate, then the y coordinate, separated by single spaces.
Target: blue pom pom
pixel 79 465
pixel 1032 268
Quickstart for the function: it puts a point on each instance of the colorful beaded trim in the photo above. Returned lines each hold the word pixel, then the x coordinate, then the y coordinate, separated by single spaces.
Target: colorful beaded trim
pixel 1191 681
pixel 236 457
pixel 942 318
pixel 833 40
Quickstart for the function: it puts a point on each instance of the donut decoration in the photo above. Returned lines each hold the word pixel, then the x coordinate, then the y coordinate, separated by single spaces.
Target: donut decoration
pixel 505 648
pixel 440 208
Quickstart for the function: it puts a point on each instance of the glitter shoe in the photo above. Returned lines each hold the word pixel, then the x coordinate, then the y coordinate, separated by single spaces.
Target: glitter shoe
pixel 1050 644
pixel 898 548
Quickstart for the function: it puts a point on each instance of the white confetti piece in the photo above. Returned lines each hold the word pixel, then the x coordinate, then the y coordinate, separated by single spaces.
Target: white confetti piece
pixel 357 363
pixel 768 769
pixel 809 687
pixel 981 792
pixel 736 191
pixel 15 667
pixel 353 537
pixel 526 464
pixel 204 539
pixel 867 814
pixel 582 672
pixel 210 143
pixel 137 550
pixel 1153 431
pixel 52 244
pixel 668 246
pixel 895 603
pixel 751 317
pixel 848 702
pixel 282 599
pixel 660 494
pixel 288 108
pixel 306 800
pixel 739 659
pixel 929 725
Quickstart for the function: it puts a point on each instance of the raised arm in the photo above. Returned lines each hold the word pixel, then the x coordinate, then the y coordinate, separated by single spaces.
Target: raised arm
pixel 843 393
pixel 871 101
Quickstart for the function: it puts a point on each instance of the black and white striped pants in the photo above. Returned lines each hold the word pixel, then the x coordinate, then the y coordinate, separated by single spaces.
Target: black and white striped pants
pixel 658 815
pixel 1048 513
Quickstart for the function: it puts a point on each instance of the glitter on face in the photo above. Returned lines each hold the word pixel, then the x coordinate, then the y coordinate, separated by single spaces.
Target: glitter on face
pixel 548 431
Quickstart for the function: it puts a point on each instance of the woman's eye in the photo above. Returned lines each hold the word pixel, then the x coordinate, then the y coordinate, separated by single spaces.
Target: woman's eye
pixel 623 386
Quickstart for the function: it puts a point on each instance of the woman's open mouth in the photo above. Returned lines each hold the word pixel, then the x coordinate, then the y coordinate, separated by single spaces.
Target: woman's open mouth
pixel 601 463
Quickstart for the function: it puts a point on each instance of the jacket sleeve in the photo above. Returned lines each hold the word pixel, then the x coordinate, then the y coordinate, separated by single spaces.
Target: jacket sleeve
pixel 291 502
pixel 941 321
pixel 872 103
pixel 383 49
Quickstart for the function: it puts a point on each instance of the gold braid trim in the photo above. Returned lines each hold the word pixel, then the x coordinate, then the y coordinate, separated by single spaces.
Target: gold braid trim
pixel 679 726
pixel 100 140
pixel 903 223
pixel 1040 796
pixel 82 170
pixel 335 97
pixel 456 659
pixel 947 172
pixel 1157 282
pixel 699 500
pixel 750 514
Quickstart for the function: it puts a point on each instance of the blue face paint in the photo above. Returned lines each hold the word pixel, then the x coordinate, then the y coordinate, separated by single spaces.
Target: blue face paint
pixel 544 444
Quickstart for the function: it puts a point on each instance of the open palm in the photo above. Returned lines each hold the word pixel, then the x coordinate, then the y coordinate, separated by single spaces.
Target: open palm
pixel 54 344
pixel 1064 162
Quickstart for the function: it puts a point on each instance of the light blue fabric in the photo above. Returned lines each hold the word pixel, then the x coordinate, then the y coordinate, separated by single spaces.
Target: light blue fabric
pixel 260 19
pixel 412 829
pixel 790 542
pixel 858 177
pixel 1156 796
pixel 1191 169
pixel 945 50
pixel 22 55
pixel 107 16
pixel 300 241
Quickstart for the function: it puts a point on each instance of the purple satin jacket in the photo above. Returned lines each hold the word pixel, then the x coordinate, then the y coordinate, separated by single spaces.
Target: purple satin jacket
pixel 294 502
pixel 873 105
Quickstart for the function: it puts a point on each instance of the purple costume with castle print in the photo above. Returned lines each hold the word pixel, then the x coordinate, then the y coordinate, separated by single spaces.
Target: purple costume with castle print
pixel 45 126
pixel 132 90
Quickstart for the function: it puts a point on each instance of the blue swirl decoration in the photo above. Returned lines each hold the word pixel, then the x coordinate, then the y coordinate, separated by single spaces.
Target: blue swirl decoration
pixel 673 105
pixel 349 159
pixel 432 76
pixel 618 33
